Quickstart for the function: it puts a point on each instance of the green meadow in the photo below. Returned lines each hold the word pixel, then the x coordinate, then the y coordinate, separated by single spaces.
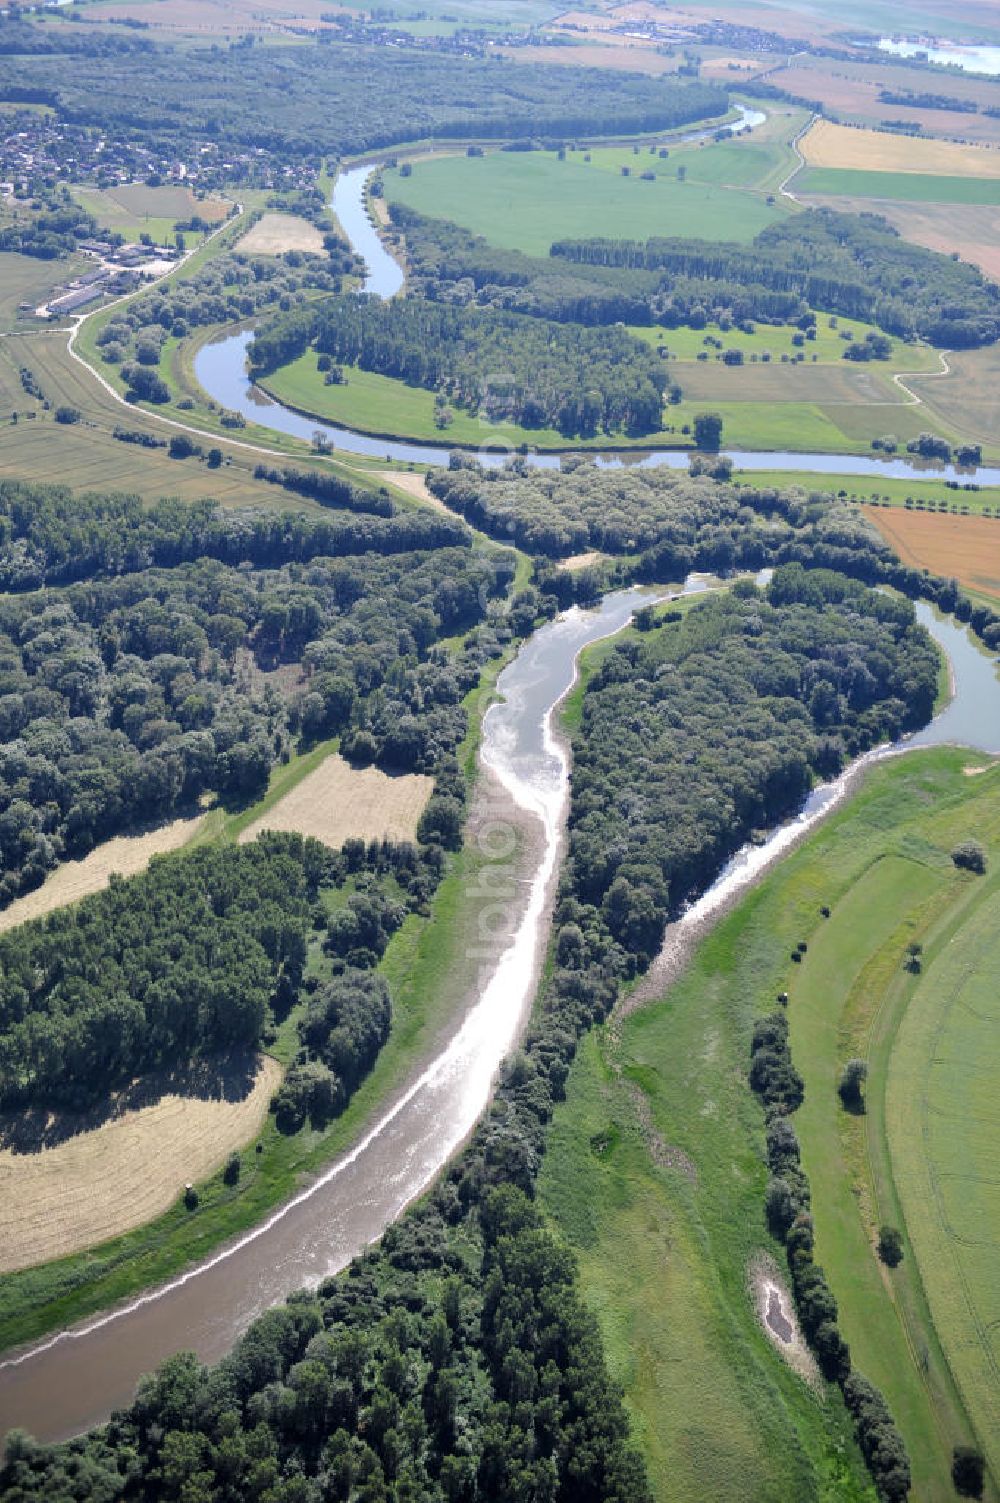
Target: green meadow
pixel 909 187
pixel 526 200
pixel 655 1175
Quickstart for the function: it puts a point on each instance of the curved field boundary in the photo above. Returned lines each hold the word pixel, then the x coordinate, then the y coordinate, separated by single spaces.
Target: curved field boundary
pixel 101 1181
pixel 124 856
pixel 944 1131
pixel 784 187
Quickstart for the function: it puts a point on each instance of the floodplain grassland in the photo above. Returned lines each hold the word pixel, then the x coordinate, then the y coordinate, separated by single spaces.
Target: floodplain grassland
pixel 921 1163
pixel 924 494
pixel 526 200
pixel 832 336
pixel 943 1128
pixel 762 406
pixel 967 400
pixel 655 1174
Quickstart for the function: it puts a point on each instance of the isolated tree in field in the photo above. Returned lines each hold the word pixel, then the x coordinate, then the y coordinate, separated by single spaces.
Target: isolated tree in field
pixel 890 1246
pixel 970 856
pixel 851 1086
pixel 708 430
pixel 968 1471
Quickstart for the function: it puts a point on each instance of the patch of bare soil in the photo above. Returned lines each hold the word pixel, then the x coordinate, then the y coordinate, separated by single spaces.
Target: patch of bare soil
pixel 776 1313
pixel 414 484
pixel 275 233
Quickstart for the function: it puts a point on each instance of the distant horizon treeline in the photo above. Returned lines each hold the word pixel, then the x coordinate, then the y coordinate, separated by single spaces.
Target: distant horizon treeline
pixel 336 99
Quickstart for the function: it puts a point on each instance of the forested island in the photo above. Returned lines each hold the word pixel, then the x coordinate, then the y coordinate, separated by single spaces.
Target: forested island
pixel 497 364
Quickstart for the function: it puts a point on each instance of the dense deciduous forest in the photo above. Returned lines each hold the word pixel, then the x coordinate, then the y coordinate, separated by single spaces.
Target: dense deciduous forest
pixel 705 729
pixel 499 364
pixel 856 266
pixel 185 961
pixel 692 521
pixel 454 1361
pixel 125 699
pixel 313 100
pixel 851 264
pixel 50 535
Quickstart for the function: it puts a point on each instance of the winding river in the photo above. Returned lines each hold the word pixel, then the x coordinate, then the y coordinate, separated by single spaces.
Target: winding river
pixel 73 1379
pixel 221 370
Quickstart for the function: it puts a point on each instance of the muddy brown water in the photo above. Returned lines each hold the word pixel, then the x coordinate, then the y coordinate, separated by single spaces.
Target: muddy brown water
pixel 73 1379
pixel 777 1319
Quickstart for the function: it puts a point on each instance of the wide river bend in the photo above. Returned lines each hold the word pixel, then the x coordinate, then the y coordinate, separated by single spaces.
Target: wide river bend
pixel 74 1378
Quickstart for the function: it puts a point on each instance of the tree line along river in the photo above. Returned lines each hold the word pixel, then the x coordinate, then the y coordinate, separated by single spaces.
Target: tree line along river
pixel 73 1379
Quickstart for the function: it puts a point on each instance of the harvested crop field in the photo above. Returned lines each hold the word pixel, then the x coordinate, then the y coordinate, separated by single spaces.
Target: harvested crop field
pixel 125 855
pixel 338 802
pixel 829 145
pixel 276 233
pixel 631 59
pixel 107 1179
pixel 962 548
pixel 851 91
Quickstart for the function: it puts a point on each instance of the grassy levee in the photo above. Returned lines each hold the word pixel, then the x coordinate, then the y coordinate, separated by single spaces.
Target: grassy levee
pixel 655 1173
pixel 943 1129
